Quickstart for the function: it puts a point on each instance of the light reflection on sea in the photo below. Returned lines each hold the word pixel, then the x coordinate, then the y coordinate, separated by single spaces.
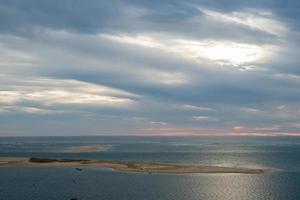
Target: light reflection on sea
pixel 90 184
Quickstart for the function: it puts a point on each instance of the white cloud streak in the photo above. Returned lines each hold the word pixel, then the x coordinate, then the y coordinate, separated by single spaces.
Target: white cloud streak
pixel 70 92
pixel 254 19
pixel 219 52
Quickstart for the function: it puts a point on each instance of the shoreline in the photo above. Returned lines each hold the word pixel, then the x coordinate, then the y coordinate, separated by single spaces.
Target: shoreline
pixel 123 166
pixel 87 149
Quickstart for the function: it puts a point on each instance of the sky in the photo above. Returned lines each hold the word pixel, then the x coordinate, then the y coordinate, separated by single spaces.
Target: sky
pixel 160 67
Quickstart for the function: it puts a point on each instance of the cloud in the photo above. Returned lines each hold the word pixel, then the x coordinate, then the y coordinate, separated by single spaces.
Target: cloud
pixel 149 67
pixel 165 78
pixel 251 111
pixel 216 51
pixel 196 108
pixel 29 110
pixel 253 19
pixel 16 59
pixel 204 118
pixel 49 92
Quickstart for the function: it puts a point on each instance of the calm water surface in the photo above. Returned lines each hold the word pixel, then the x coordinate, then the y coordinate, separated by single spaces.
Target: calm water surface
pixel 282 153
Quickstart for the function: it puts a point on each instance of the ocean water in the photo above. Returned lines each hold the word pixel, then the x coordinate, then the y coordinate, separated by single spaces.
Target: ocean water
pixel 280 153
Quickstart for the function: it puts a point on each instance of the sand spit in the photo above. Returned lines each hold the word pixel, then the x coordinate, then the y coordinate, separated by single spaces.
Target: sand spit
pixel 125 166
pixel 87 149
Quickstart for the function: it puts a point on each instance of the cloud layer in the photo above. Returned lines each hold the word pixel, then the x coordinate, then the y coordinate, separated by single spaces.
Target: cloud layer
pixel 70 67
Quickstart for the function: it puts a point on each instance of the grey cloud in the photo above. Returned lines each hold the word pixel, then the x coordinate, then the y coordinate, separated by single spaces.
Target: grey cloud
pixel 173 17
pixel 60 41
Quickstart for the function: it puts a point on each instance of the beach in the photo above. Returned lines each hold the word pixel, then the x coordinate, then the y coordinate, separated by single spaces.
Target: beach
pixel 126 166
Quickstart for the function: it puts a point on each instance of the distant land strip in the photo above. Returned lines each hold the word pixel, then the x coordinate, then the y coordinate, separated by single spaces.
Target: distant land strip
pixel 125 166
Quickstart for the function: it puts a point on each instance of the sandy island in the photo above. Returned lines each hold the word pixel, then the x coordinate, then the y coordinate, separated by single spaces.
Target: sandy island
pixel 125 166
pixel 88 149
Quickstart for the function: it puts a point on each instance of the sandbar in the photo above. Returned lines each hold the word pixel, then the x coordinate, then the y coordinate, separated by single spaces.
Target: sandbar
pixel 126 166
pixel 87 149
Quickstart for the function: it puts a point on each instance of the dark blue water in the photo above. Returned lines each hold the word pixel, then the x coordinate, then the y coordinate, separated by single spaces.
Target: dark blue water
pixel 282 153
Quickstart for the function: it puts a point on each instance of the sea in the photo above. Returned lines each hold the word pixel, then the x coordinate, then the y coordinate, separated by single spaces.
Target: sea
pixel 282 154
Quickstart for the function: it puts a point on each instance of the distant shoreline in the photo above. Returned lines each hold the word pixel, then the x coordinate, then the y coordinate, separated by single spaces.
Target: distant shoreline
pixel 126 166
pixel 220 135
pixel 87 149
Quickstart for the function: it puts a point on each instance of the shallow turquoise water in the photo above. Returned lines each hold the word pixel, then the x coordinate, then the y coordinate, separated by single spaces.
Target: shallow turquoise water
pixel 62 183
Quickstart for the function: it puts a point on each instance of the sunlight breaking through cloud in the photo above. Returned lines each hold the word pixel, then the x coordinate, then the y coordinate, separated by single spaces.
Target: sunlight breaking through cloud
pixel 225 53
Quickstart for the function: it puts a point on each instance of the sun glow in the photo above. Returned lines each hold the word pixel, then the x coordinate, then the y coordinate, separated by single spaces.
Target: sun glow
pixel 223 53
